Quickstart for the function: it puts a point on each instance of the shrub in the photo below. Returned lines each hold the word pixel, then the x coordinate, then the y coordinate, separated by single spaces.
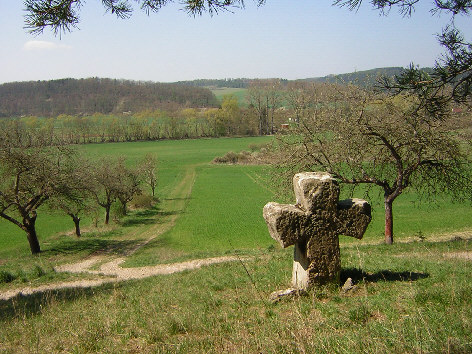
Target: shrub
pixel 229 157
pixel 6 277
pixel 142 201
pixel 233 157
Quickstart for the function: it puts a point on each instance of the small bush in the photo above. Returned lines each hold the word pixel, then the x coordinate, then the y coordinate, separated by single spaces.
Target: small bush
pixel 229 157
pixel 233 157
pixel 6 277
pixel 142 201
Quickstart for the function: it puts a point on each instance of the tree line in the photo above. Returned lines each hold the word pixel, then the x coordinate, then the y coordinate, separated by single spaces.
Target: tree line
pixel 264 115
pixel 95 95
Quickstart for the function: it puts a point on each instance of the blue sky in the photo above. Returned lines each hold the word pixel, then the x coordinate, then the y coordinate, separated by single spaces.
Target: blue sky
pixel 285 38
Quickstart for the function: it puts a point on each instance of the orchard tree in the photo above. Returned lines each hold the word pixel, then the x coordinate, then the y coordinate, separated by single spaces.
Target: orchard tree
pixel 128 182
pixel 78 199
pixel 112 180
pixel 29 176
pixel 147 169
pixel 382 141
pixel 105 184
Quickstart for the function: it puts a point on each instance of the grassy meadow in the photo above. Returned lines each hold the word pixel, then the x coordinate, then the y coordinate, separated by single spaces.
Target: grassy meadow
pixel 413 296
pixel 239 93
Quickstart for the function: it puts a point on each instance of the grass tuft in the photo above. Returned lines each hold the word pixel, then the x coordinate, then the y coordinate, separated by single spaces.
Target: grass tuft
pixel 6 277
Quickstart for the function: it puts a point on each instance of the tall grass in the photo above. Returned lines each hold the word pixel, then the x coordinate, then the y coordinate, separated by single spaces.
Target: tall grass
pixel 408 298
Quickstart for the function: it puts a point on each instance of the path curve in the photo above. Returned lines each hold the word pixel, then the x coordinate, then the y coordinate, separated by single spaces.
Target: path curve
pixel 116 273
pixel 113 269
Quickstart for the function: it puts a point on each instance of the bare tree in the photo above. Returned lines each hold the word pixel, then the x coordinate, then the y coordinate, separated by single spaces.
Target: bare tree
pixel 112 180
pixel 265 96
pixel 381 141
pixel 147 168
pixel 30 174
pixel 77 200
pixel 128 181
pixel 105 184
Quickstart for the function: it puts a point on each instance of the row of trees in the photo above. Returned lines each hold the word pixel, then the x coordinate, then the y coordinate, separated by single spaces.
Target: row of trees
pixel 36 173
pixel 262 116
pixel 269 104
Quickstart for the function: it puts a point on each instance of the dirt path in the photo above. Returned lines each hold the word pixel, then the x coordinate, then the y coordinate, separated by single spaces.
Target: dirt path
pixel 173 206
pixel 116 273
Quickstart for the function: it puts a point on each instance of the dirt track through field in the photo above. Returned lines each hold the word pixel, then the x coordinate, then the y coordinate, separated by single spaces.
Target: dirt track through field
pixel 173 206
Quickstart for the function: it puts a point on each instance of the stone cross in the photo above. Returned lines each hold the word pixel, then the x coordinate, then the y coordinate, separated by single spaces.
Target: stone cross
pixel 313 226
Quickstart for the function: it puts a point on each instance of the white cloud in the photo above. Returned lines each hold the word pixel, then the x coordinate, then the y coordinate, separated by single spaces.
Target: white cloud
pixel 44 45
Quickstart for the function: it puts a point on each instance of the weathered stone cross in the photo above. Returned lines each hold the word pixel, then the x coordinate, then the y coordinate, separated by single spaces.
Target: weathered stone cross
pixel 313 226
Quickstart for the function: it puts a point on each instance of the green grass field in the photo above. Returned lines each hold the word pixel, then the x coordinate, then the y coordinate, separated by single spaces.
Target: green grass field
pixel 410 297
pixel 239 93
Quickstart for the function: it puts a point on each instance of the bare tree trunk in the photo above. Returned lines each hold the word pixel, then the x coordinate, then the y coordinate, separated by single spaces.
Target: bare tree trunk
pixel 124 208
pixel 107 214
pixel 388 222
pixel 77 225
pixel 32 237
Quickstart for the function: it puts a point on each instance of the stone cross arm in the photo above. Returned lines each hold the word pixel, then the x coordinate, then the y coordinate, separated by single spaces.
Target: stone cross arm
pixel 317 207
pixel 313 225
pixel 354 216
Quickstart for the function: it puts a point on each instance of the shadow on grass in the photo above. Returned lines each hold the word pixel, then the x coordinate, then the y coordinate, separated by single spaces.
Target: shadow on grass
pixel 358 275
pixel 185 198
pixel 148 217
pixel 92 246
pixel 138 221
pixel 29 305
pixel 147 213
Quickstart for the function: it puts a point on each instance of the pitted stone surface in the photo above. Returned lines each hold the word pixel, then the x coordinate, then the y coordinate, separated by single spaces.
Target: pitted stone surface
pixel 313 226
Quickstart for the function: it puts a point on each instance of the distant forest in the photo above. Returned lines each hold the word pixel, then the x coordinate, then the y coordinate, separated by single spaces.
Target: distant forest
pixel 365 78
pixel 218 83
pixel 95 95
pixel 85 97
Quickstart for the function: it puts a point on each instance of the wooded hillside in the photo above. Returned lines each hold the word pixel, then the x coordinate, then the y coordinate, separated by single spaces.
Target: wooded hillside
pixel 365 78
pixel 95 95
